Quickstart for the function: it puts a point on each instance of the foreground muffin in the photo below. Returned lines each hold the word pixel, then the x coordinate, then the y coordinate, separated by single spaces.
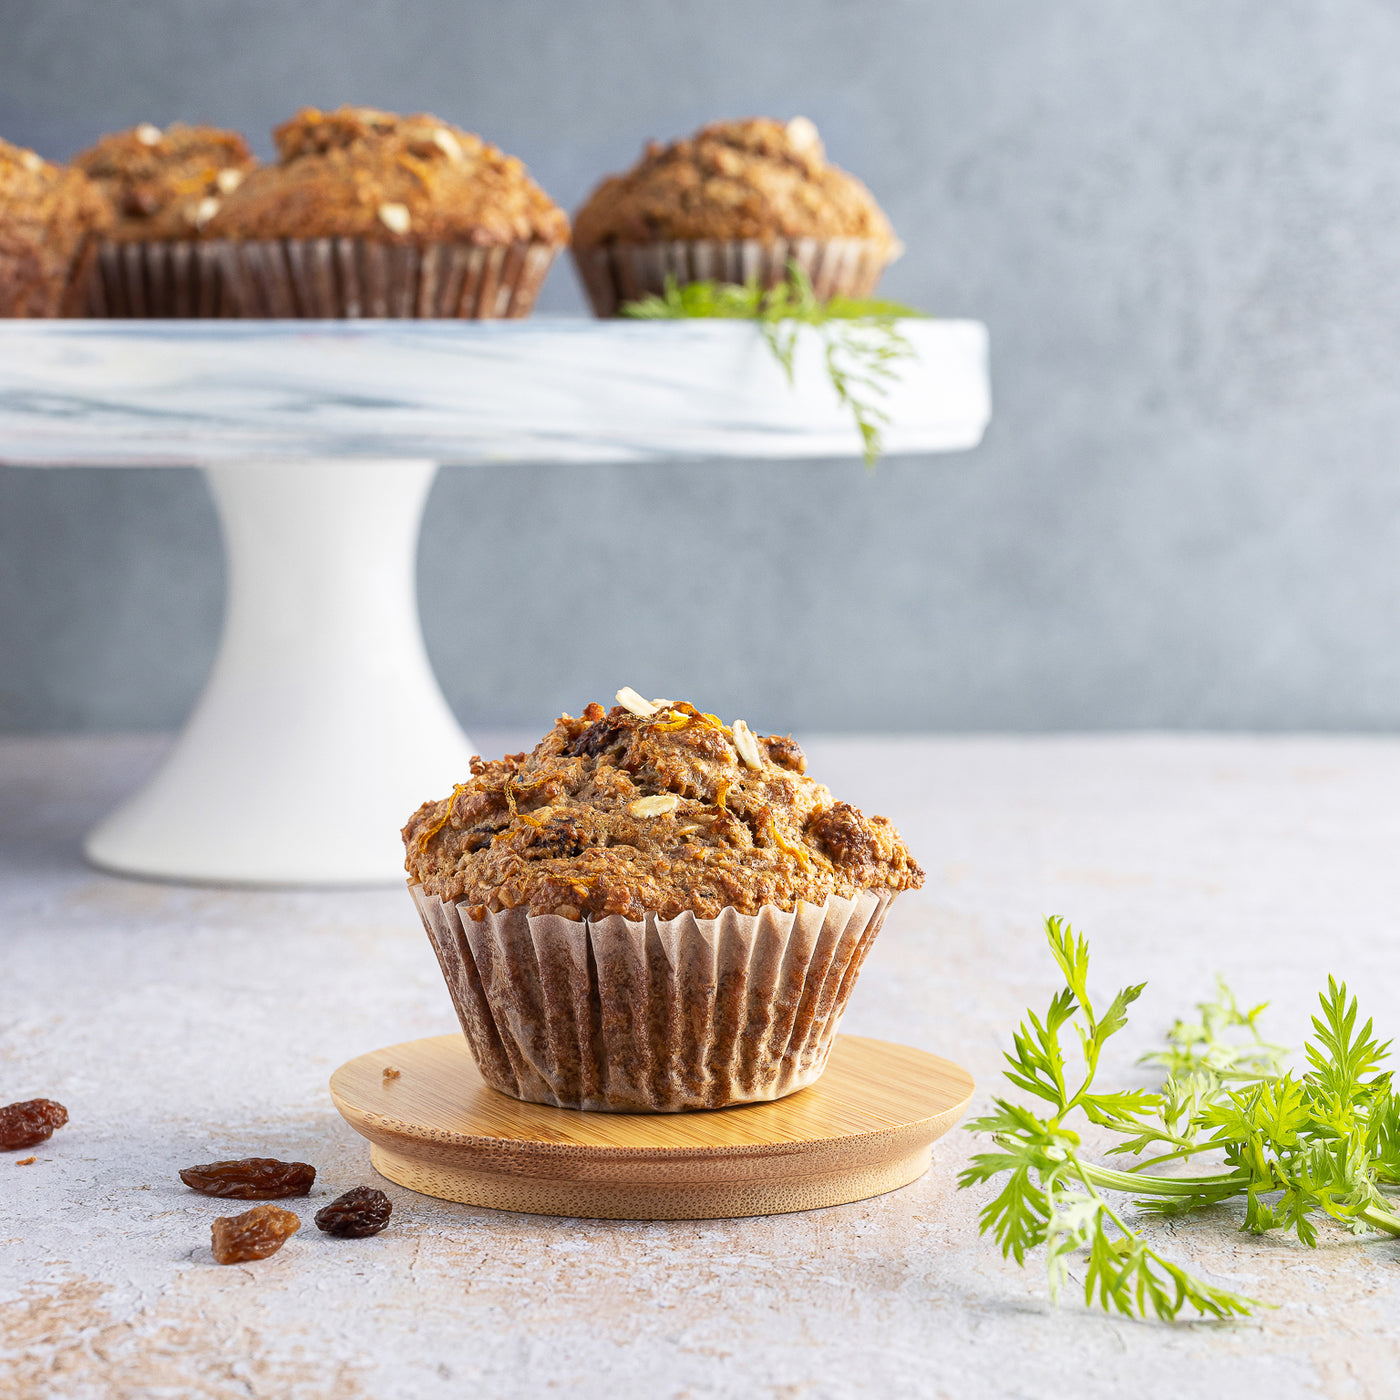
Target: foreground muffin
pixel 164 187
pixel 370 213
pixel 652 911
pixel 48 218
pixel 733 202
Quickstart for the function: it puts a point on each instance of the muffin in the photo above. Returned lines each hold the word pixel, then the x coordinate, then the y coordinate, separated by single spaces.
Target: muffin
pixel 652 911
pixel 732 203
pixel 371 214
pixel 164 187
pixel 48 218
pixel 165 184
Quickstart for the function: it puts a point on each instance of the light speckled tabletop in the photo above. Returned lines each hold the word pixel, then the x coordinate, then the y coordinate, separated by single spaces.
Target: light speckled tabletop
pixel 181 1024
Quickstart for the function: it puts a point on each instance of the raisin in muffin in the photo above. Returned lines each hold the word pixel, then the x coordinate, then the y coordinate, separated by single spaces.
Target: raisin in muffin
pixel 370 213
pixel 166 184
pixel 734 202
pixel 49 215
pixel 652 910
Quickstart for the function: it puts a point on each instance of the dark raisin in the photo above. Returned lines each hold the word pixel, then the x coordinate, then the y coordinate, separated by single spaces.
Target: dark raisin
pixel 600 735
pixel 845 834
pixel 252 1179
pixel 786 752
pixel 483 833
pixel 560 836
pixel 253 1235
pixel 359 1212
pixel 140 201
pixel 29 1123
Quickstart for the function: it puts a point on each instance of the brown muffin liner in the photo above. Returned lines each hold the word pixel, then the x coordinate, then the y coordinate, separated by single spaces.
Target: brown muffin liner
pixel 652 1017
pixel 330 278
pixel 622 272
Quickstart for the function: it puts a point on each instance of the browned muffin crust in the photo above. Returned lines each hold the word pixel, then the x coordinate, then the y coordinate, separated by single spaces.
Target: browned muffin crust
pixel 47 213
pixel 616 813
pixel 166 184
pixel 361 173
pixel 758 179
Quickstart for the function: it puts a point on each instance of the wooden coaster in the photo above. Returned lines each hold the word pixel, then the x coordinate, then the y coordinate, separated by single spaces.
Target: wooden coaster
pixel 864 1128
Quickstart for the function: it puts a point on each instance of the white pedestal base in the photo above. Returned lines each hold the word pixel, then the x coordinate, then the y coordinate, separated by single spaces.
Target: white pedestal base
pixel 321 727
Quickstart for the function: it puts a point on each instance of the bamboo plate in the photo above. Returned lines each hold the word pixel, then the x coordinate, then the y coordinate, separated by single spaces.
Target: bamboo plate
pixel 864 1128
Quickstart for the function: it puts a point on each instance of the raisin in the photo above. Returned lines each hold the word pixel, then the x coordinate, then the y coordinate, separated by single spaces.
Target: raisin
pixel 845 834
pixel 599 735
pixel 560 836
pixel 786 752
pixel 29 1123
pixel 359 1212
pixel 253 1235
pixel 252 1179
pixel 483 833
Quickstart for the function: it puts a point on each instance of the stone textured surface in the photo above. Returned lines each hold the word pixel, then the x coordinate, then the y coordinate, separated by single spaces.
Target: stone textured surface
pixel 1177 220
pixel 183 1024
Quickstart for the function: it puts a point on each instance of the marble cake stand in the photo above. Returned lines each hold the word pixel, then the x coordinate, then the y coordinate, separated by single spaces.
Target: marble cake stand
pixel 321 724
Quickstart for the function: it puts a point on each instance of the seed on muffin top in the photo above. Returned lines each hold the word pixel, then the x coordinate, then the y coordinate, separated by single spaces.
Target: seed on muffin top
pixel 166 184
pixel 651 806
pixel 361 173
pixel 756 179
pixel 47 213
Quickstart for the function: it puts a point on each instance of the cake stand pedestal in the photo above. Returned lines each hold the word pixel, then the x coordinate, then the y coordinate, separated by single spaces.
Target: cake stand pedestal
pixel 321 716
pixel 864 1128
pixel 321 727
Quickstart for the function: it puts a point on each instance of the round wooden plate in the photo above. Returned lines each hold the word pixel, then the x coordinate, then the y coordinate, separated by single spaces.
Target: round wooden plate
pixel 864 1128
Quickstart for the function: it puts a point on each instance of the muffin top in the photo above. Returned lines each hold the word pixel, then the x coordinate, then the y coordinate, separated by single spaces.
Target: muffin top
pixel 649 807
pixel 35 195
pixel 166 184
pixel 759 179
pixel 46 214
pixel 360 173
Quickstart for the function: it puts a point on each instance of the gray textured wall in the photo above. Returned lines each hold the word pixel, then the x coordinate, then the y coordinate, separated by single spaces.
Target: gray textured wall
pixel 1179 220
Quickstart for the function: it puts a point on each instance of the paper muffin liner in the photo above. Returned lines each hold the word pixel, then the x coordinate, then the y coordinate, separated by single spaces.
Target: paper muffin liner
pixel 160 280
pixel 622 272
pixel 657 1016
pixel 330 278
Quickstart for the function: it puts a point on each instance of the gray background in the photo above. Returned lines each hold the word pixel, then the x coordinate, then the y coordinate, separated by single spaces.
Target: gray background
pixel 1179 221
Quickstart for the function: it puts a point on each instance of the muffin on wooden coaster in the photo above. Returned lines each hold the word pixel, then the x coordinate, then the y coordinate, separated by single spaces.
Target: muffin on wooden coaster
pixel 164 187
pixel 372 214
pixel 733 203
pixel 652 911
pixel 49 217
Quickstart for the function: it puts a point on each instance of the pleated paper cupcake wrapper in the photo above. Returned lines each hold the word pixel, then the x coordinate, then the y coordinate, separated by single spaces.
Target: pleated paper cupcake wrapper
pixel 621 273
pixel 331 278
pixel 659 1016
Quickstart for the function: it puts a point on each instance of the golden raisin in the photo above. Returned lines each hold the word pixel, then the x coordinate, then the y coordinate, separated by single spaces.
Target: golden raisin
pixel 253 1235
pixel 251 1179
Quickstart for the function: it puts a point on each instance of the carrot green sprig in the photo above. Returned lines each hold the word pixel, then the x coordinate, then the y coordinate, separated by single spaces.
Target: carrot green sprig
pixel 861 341
pixel 1294 1147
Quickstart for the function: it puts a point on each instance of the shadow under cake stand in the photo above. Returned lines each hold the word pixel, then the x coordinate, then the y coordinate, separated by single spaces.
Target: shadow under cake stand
pixel 321 725
pixel 865 1127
